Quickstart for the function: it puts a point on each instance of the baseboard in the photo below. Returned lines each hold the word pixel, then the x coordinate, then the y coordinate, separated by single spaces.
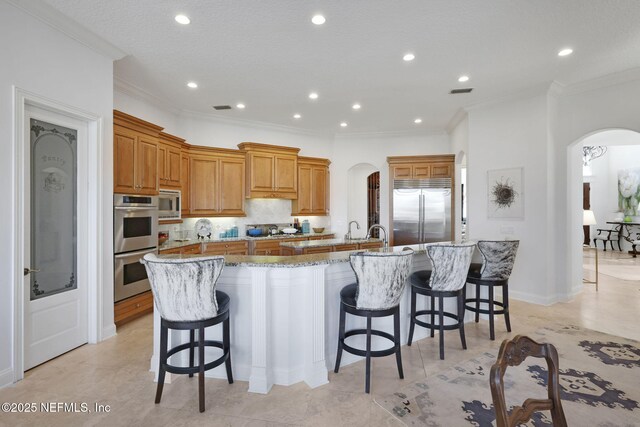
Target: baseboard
pixel 109 332
pixel 6 377
pixel 533 298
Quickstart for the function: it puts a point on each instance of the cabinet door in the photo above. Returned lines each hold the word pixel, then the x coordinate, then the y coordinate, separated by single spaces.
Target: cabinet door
pixel 441 170
pixel 402 172
pixel 319 190
pixel 173 166
pixel 147 166
pixel 421 170
pixel 203 186
pixel 162 164
pixel 231 187
pixel 286 173
pixel 305 189
pixel 184 172
pixel 262 172
pixel 124 162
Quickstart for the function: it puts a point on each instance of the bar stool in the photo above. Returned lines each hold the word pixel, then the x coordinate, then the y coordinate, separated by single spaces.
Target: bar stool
pixel 497 262
pixel 445 280
pixel 185 297
pixel 380 281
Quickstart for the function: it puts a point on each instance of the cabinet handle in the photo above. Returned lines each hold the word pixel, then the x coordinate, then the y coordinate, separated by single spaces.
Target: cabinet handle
pixel 138 305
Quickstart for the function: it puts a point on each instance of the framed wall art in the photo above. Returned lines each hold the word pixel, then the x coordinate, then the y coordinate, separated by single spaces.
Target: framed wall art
pixel 505 193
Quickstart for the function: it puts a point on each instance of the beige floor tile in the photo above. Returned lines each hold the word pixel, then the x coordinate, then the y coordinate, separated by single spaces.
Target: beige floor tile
pixel 116 372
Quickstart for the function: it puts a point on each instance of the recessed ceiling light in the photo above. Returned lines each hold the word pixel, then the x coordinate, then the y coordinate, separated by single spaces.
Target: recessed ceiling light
pixel 343 124
pixel 356 106
pixel 417 121
pixel 318 19
pixel 463 79
pixel 192 85
pixel 565 52
pixel 296 116
pixel 313 95
pixel 182 19
pixel 409 57
pixel 240 106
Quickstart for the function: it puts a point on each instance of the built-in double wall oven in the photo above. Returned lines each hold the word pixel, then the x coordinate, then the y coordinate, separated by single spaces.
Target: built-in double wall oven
pixel 135 229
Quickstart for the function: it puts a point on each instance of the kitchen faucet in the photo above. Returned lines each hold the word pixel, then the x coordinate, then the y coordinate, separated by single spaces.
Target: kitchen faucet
pixel 385 241
pixel 348 235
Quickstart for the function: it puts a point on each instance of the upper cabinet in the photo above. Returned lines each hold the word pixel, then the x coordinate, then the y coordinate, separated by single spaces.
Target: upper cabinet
pixel 271 171
pixel 169 161
pixel 135 144
pixel 421 167
pixel 216 182
pixel 313 187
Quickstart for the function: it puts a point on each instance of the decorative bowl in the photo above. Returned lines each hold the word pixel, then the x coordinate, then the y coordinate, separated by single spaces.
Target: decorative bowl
pixel 162 237
pixel 318 229
pixel 290 230
pixel 254 232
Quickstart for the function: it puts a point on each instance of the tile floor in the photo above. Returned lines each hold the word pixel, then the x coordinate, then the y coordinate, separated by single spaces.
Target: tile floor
pixel 115 372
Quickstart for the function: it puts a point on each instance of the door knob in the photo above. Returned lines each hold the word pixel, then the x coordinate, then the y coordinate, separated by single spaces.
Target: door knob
pixel 28 270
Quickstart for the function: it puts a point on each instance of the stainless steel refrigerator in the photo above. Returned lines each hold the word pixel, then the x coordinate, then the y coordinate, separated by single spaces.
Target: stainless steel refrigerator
pixel 421 211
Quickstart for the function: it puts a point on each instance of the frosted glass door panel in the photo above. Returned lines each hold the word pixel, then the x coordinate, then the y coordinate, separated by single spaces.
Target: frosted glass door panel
pixel 53 209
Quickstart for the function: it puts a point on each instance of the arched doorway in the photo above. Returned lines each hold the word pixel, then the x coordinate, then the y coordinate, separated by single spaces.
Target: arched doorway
pixel 358 196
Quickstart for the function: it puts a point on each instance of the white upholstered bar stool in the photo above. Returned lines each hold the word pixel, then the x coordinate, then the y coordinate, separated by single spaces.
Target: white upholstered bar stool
pixel 380 282
pixel 184 291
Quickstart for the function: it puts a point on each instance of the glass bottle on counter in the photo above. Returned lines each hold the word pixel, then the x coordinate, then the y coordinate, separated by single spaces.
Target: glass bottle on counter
pixel 306 227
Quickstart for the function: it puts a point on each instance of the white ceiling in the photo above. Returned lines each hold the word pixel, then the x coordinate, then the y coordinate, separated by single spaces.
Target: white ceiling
pixel 268 55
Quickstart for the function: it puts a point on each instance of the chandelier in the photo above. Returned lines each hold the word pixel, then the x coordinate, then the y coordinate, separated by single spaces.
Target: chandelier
pixel 591 152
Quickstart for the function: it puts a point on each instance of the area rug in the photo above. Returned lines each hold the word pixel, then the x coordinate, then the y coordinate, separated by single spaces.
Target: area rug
pixel 599 374
pixel 623 269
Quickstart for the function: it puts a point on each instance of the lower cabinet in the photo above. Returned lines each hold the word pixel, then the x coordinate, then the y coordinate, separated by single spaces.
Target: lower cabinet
pixel 225 248
pixel 132 308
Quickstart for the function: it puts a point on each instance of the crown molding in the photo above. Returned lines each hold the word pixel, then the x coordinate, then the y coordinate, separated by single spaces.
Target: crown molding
pixel 123 86
pixel 256 124
pixel 607 80
pixel 391 134
pixel 530 92
pixel 61 22
pixel 456 119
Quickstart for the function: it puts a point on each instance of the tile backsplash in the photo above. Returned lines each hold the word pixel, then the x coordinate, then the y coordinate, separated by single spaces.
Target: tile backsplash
pixel 259 211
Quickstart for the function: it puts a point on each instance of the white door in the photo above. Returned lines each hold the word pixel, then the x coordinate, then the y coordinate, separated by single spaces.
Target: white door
pixel 55 286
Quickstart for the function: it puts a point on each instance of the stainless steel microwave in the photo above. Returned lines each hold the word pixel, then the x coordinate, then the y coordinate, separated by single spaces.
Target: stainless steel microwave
pixel 169 204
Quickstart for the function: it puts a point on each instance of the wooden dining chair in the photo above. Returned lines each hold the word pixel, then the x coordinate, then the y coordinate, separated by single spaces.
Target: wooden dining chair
pixel 513 353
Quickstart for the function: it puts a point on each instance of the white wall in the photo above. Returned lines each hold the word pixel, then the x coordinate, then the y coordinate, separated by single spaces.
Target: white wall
pixel 460 147
pixel 42 60
pixel 350 150
pixel 582 112
pixel 507 135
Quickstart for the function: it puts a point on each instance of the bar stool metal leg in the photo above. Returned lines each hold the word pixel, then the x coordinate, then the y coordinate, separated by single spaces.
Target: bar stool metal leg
pixel 226 340
pixel 413 316
pixel 192 333
pixel 164 333
pixel 433 313
pixel 343 315
pixel 368 357
pixel 492 333
pixel 505 301
pixel 477 303
pixel 441 324
pixel 461 319
pixel 201 366
pixel 396 335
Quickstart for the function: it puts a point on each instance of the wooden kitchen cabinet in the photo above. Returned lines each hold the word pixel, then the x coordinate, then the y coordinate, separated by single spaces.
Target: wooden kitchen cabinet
pixel 170 161
pixel 271 171
pixel 131 308
pixel 184 181
pixel 421 167
pixel 239 247
pixel 183 250
pixel 135 144
pixel 216 182
pixel 313 187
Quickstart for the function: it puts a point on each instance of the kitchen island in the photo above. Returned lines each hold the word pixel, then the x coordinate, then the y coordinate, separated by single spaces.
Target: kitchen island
pixel 327 245
pixel 284 318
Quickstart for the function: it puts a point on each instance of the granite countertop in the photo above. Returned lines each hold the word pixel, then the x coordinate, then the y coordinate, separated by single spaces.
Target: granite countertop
pixel 304 260
pixel 172 244
pixel 326 242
